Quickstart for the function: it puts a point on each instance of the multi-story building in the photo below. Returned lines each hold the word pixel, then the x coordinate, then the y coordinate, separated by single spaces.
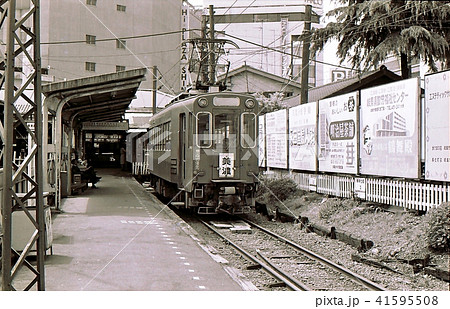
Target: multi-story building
pixel 81 38
pixel 268 34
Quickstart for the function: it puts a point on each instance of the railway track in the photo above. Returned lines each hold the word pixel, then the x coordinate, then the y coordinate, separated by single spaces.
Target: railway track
pixel 292 265
pixel 272 270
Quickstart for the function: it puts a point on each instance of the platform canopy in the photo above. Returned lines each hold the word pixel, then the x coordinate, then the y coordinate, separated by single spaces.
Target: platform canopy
pixel 96 98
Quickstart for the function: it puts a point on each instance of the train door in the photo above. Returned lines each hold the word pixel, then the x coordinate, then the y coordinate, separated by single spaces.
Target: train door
pixel 226 124
pixel 182 149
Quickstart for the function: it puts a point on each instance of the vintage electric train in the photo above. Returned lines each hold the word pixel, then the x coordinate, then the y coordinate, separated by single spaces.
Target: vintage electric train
pixel 202 152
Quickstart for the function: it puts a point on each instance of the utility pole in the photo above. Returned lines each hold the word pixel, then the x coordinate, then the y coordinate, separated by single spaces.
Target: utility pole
pixel 305 56
pixel 203 69
pixel 205 54
pixel 30 171
pixel 155 87
pixel 212 60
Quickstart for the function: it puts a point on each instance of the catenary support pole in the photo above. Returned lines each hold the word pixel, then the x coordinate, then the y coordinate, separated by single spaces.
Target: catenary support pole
pixel 305 56
pixel 155 87
pixel 22 42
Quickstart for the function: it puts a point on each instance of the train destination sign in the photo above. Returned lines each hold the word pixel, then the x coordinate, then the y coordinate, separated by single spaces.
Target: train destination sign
pixel 226 165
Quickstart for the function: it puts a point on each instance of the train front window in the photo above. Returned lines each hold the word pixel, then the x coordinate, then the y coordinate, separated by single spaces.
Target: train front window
pixel 204 138
pixel 248 130
pixel 225 131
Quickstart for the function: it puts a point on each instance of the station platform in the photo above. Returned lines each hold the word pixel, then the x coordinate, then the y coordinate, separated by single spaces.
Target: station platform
pixel 119 237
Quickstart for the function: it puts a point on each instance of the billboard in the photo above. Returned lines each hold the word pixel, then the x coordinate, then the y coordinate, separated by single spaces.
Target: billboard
pixel 337 134
pixel 437 129
pixel 261 141
pixel 303 137
pixel 276 139
pixel 389 129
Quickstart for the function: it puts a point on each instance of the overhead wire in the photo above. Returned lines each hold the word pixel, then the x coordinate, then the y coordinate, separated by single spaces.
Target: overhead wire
pixel 296 28
pixel 262 47
pixel 119 38
pixel 398 10
pixel 384 16
pixel 238 14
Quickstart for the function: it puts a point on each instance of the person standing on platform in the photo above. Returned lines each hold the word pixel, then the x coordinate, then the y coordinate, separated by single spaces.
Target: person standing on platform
pixel 122 157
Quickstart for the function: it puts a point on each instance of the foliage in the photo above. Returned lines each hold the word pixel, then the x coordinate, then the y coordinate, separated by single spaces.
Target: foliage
pixel 438 228
pixel 370 31
pixel 271 103
pixel 277 190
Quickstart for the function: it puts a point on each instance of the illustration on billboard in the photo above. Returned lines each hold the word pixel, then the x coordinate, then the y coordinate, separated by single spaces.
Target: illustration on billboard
pixel 367 140
pixel 337 134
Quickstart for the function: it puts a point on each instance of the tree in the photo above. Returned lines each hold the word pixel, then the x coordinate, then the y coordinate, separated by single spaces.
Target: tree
pixel 269 104
pixel 368 32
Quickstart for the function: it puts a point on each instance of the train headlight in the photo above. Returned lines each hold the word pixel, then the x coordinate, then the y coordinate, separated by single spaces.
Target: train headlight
pixel 202 102
pixel 250 103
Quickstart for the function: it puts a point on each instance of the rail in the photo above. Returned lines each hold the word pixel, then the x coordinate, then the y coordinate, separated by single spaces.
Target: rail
pixel 353 276
pixel 275 272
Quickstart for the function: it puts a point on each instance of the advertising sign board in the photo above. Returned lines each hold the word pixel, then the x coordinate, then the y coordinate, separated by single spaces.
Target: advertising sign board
pixel 276 139
pixel 262 141
pixel 437 128
pixel 337 136
pixel 303 137
pixel 389 129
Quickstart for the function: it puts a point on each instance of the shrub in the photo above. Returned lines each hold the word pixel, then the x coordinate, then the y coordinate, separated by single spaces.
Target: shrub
pixel 278 189
pixel 438 228
pixel 262 187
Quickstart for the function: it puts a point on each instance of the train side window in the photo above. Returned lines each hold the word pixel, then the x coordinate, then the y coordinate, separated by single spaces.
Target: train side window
pixel 248 130
pixel 167 140
pixel 189 128
pixel 204 134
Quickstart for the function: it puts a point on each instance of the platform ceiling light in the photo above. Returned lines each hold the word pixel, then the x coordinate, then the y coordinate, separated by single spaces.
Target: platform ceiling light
pixel 250 103
pixel 202 102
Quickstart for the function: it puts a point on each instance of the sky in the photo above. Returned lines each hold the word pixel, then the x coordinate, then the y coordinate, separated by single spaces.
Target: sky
pixel 196 2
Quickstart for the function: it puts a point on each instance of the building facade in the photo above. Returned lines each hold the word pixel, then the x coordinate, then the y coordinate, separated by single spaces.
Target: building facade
pixel 81 38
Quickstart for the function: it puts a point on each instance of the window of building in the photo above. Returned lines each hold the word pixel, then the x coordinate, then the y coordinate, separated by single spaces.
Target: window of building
pixel 121 44
pixel 121 8
pixel 90 39
pixel 90 66
pixel 120 68
pixel 91 2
